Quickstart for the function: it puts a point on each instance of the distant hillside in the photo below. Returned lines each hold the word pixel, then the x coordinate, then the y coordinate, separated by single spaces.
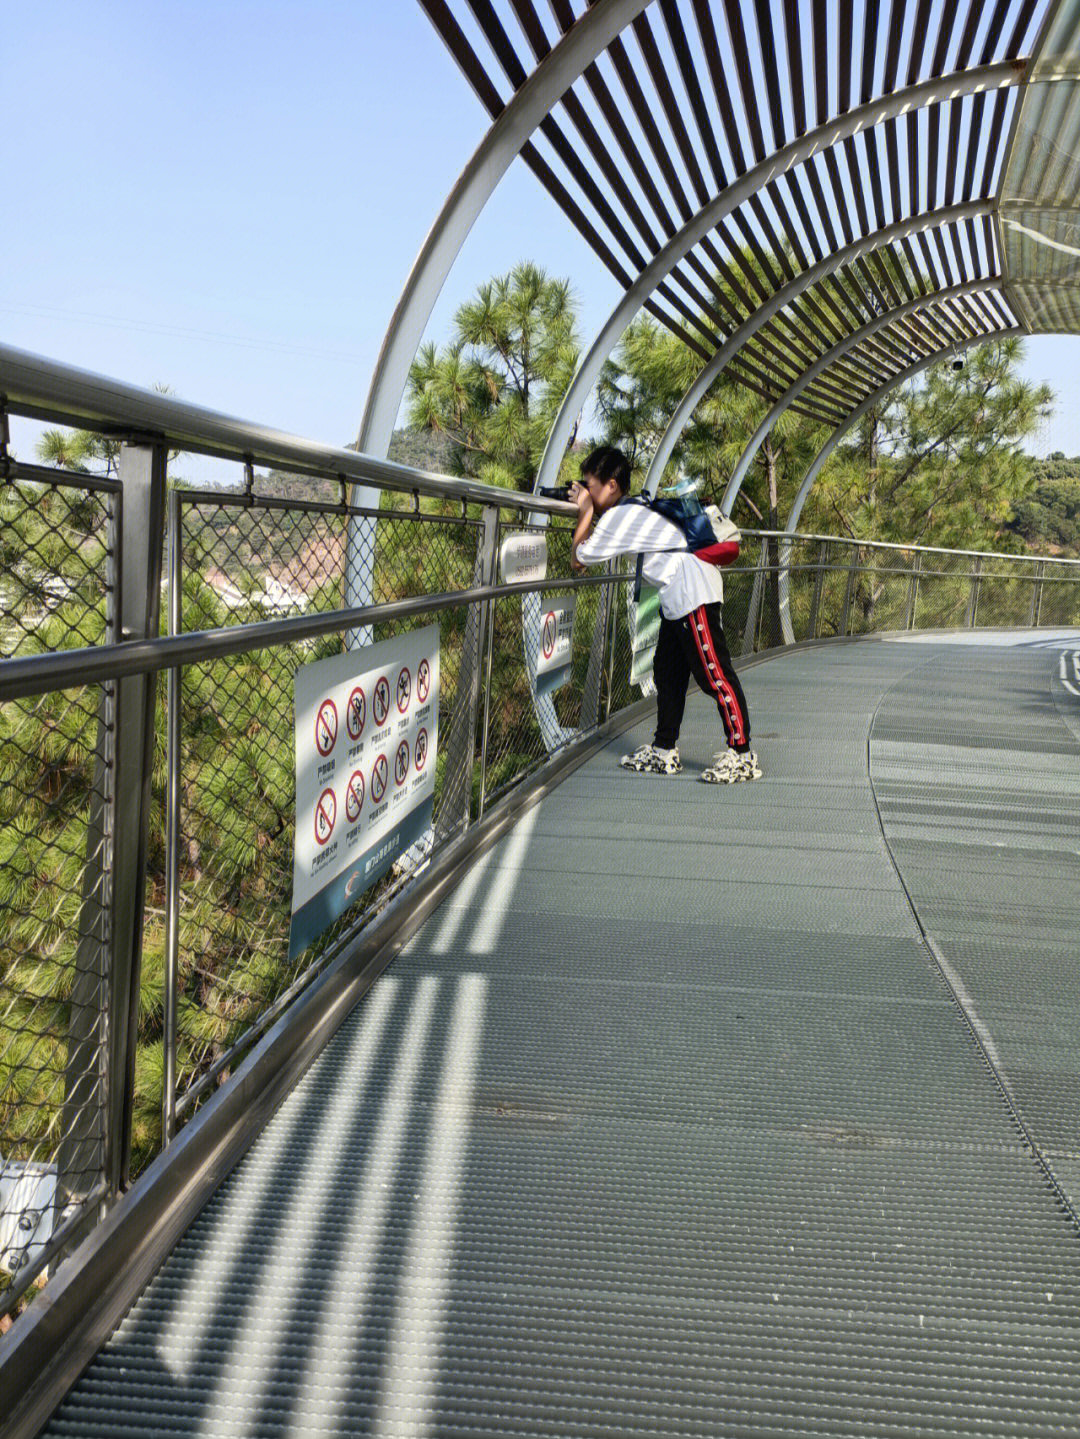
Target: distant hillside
pixel 1048 520
pixel 425 450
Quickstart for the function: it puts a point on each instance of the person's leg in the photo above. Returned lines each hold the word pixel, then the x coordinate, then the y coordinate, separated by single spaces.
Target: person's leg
pixel 671 675
pixel 710 663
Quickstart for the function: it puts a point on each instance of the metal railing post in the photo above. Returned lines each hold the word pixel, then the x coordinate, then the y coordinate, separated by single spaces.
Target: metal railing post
pixel 973 601
pixel 456 804
pixel 613 639
pixel 1037 594
pixel 754 607
pixel 849 591
pixel 815 598
pixel 142 470
pixel 81 1156
pixel 172 830
pixel 594 673
pixel 913 591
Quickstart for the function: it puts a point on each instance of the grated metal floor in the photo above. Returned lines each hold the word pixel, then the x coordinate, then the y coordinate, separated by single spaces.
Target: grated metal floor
pixel 667 1123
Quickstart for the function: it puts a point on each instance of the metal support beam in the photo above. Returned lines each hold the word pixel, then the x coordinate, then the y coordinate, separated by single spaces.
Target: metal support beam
pixel 142 472
pixel 875 399
pixel 587 39
pixel 456 801
pixel 864 117
pixel 848 343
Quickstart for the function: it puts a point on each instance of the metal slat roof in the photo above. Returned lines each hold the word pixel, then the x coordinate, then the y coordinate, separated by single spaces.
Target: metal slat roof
pixel 653 127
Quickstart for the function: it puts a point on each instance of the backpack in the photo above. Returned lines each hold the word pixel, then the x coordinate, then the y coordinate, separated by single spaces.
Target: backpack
pixel 710 535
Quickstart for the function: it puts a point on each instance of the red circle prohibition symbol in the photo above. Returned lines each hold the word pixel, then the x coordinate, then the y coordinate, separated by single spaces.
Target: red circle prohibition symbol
pixel 380 701
pixel 326 727
pixel 550 631
pixel 421 749
pixel 356 713
pixel 404 690
pixel 401 763
pixel 379 775
pixel 325 817
pixel 423 681
pixel 354 796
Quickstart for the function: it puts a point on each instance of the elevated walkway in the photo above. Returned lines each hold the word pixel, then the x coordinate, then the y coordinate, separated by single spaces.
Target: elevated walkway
pixel 694 1111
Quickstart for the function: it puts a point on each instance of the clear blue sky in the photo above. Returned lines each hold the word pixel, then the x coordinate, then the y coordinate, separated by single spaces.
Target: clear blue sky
pixel 227 198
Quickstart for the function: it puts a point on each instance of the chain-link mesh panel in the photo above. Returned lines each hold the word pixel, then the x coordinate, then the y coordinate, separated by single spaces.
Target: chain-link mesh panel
pixel 56 550
pixel 57 547
pixel 943 599
pixel 55 779
pixel 1004 593
pixel 237 751
pixel 1058 600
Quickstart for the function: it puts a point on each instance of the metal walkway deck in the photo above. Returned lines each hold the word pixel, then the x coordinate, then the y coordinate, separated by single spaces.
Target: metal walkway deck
pixel 669 1123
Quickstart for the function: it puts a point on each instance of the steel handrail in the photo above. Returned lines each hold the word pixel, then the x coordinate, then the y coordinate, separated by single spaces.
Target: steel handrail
pixel 39 388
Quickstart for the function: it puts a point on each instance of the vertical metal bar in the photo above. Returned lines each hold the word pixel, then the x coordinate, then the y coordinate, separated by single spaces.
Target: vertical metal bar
pixel 1037 594
pixel 753 609
pixel 142 470
pixel 81 1153
pixel 913 591
pixel 849 592
pixel 815 598
pixel 172 829
pixel 613 638
pixel 454 810
pixel 973 600
pixel 487 705
pixel 594 674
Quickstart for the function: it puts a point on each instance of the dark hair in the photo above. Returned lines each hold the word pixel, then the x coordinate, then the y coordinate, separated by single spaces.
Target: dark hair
pixel 608 463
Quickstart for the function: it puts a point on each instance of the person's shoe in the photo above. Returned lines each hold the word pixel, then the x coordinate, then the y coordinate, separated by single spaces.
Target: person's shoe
pixel 650 760
pixel 728 767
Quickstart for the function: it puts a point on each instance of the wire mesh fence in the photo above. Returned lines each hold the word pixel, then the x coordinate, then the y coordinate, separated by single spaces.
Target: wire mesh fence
pixel 241 559
pixel 57 545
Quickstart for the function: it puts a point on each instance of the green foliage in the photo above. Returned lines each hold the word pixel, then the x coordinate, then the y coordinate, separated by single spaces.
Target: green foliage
pixel 940 462
pixel 1048 517
pixel 494 389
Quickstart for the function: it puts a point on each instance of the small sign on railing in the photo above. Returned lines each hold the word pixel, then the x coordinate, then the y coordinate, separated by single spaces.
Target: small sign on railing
pixel 367 725
pixel 556 643
pixel 523 558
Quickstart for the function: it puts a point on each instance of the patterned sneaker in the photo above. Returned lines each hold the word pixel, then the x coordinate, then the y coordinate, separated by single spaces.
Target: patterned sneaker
pixel 731 768
pixel 650 760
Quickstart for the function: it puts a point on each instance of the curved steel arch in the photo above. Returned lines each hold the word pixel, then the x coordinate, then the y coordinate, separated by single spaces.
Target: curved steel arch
pixel 841 348
pixel 875 399
pixel 528 107
pixel 711 371
pixel 915 97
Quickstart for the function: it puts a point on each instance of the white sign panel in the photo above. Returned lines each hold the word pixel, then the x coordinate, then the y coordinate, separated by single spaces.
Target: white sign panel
pixel 366 736
pixel 523 558
pixel 556 643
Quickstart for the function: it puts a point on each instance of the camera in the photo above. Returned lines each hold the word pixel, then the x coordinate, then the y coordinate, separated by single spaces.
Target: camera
pixel 555 492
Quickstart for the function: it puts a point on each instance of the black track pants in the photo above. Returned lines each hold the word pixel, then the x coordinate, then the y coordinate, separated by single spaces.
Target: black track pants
pixel 695 645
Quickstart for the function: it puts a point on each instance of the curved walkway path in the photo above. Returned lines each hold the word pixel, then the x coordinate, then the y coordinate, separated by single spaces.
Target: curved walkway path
pixel 696 1111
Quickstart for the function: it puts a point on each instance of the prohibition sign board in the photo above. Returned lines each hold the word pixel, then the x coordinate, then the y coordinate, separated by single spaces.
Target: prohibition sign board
pixel 423 681
pixel 421 749
pixel 404 690
pixel 550 631
pixel 380 773
pixel 380 700
pixel 356 713
pixel 326 727
pixel 354 796
pixel 401 763
pixel 325 817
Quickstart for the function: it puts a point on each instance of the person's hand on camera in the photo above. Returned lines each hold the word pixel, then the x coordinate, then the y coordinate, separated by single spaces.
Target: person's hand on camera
pixel 579 495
